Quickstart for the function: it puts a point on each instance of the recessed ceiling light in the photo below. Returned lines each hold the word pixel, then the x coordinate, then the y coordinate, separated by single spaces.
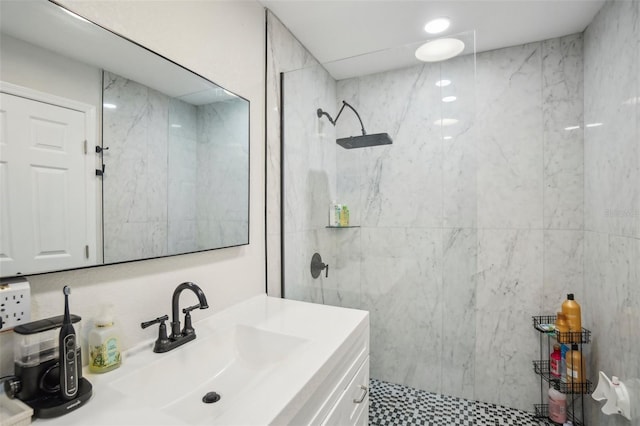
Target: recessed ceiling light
pixel 176 126
pixel 436 26
pixel 439 50
pixel 443 83
pixel 572 128
pixel 109 106
pixel 445 122
pixel 446 138
pixel 593 125
pixel 449 99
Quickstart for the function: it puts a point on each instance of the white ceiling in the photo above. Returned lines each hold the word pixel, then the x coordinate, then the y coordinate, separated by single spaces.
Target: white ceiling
pixel 333 30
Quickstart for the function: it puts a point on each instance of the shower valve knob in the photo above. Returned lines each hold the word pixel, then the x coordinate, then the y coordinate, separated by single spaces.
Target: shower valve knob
pixel 317 265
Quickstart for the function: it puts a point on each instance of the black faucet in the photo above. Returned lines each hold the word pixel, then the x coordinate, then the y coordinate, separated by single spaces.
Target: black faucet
pixel 175 306
pixel 177 337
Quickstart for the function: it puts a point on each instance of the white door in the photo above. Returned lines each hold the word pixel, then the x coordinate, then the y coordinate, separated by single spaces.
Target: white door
pixel 43 187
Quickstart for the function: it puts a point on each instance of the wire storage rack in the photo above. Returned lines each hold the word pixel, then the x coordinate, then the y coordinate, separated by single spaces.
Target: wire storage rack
pixel 575 391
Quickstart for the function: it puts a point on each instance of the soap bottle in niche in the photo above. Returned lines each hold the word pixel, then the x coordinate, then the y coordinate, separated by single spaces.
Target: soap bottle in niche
pixel 571 310
pixel 104 344
pixel 344 216
pixel 334 214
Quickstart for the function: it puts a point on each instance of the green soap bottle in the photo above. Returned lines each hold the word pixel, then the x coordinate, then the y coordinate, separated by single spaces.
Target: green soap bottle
pixel 104 345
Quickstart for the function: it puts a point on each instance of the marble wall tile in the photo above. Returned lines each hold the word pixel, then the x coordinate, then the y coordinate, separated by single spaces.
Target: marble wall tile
pixel 612 149
pixel 284 53
pixel 459 279
pixel 221 146
pixel 124 132
pixel 411 168
pixel 459 161
pixel 157 151
pixel 347 268
pixel 562 94
pixel 309 185
pixel 350 178
pixel 136 161
pixel 563 268
pixel 402 289
pixel 612 195
pixel 509 142
pixel 509 292
pixel 310 150
pixel 612 273
pixel 299 248
pixel 182 176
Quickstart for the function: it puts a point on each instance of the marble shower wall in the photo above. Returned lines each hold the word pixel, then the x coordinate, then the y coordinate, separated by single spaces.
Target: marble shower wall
pixel 284 53
pixel 466 231
pixel 464 228
pixel 135 182
pixel 223 132
pixel 309 182
pixel 612 196
pixel 183 143
pixel 166 152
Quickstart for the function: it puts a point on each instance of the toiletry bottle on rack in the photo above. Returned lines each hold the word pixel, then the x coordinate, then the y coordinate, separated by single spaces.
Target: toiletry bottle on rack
pixel 104 345
pixel 575 369
pixel 571 310
pixel 555 360
pixel 563 362
pixel 557 406
pixel 562 328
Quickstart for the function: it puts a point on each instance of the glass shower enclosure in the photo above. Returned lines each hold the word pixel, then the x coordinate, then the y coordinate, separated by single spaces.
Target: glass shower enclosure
pixel 409 254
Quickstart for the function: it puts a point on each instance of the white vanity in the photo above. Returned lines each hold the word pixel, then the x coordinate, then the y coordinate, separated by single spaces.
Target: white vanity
pixel 272 361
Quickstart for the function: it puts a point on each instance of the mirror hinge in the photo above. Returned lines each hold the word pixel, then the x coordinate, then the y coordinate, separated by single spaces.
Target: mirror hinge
pixel 85 147
pixel 86 251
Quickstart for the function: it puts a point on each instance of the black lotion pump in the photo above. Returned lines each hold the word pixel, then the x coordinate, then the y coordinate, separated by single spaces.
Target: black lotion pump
pixel 67 347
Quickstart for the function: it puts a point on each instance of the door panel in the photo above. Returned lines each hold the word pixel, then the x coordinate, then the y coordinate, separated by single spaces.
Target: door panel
pixel 44 212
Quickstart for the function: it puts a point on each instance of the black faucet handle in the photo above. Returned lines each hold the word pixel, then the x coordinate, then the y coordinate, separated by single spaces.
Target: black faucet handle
pixel 161 319
pixel 191 308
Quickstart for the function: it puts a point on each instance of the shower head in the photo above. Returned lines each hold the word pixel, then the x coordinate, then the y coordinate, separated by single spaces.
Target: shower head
pixel 365 140
pixel 356 141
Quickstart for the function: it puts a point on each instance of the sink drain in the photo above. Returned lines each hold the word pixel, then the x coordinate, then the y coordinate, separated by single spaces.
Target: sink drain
pixel 211 397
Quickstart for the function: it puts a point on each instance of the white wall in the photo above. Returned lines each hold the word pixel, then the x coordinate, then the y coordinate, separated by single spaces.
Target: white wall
pixel 224 42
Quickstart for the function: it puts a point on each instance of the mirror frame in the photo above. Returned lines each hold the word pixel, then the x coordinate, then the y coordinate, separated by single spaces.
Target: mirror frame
pixel 100 194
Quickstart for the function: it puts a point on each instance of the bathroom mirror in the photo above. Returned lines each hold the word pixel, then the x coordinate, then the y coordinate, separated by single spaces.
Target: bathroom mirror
pixel 161 154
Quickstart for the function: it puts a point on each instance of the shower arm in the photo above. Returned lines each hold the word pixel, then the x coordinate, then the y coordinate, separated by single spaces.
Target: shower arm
pixel 320 113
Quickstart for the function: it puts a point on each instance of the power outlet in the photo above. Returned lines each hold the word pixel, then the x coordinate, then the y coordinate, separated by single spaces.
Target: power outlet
pixel 15 304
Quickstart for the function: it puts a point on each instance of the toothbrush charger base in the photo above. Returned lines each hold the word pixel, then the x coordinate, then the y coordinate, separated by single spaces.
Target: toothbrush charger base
pixel 55 406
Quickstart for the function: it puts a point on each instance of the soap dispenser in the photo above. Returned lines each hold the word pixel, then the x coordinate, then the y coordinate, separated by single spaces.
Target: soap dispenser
pixel 104 344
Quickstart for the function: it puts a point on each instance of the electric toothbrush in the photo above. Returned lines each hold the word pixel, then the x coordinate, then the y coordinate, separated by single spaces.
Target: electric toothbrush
pixel 68 352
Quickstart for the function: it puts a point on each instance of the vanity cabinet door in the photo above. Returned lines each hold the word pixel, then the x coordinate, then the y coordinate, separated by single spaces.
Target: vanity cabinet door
pixel 352 407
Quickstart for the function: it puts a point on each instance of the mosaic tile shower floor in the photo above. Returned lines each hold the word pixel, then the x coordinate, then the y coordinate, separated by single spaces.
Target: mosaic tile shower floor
pixel 392 405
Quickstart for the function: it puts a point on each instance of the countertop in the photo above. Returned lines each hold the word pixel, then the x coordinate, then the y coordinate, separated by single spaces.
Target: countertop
pixel 272 395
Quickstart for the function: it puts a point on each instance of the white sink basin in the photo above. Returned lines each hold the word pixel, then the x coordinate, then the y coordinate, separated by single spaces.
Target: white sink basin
pixel 225 361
